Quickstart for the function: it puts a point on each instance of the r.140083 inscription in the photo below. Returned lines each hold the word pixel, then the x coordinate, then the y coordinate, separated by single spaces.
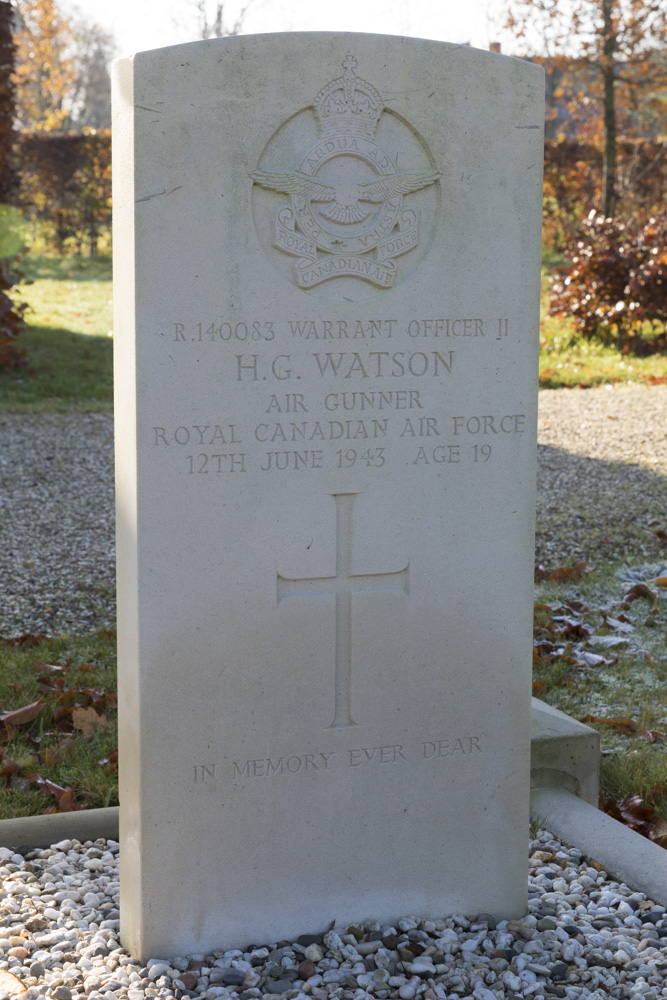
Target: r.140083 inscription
pixel 223 331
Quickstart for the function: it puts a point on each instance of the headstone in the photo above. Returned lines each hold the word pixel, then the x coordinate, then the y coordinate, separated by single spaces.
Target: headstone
pixel 327 282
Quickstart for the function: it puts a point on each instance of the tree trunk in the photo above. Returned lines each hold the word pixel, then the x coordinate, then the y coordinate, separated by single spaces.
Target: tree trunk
pixel 608 65
pixel 11 315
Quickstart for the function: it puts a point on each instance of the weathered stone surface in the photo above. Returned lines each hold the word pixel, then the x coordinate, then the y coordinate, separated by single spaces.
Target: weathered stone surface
pixel 327 276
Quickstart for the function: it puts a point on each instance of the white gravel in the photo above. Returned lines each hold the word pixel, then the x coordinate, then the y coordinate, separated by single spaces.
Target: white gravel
pixel 584 936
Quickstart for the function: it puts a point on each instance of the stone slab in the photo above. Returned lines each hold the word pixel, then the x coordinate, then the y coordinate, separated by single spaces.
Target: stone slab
pixel 42 831
pixel 327 254
pixel 564 753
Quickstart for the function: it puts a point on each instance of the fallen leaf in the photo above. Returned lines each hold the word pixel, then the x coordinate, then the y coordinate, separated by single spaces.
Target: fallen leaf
pixel 10 769
pixel 572 628
pixel 29 639
pixel 53 668
pixel 661 581
pixel 658 791
pixel 53 754
pixel 6 733
pixel 621 625
pixel 594 659
pixel 577 607
pixel 607 641
pixel 51 685
pixel 569 572
pixel 88 721
pixel 538 688
pixel 112 760
pixel 659 832
pixel 67 802
pixel 620 724
pixel 64 796
pixel 62 719
pixel 637 814
pixel 99 696
pixel 639 590
pixel 10 984
pixel 23 716
pixel 651 735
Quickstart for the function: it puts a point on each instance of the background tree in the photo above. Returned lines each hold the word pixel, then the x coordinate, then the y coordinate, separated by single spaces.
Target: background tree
pixel 216 21
pixel 95 48
pixel 45 71
pixel 610 56
pixel 11 321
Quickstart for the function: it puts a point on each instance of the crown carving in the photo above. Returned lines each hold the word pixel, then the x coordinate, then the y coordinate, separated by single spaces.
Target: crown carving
pixel 349 105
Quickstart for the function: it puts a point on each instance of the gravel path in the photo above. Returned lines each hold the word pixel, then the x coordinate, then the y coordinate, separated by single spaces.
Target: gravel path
pixel 57 556
pixel 602 495
pixel 584 936
pixel 602 479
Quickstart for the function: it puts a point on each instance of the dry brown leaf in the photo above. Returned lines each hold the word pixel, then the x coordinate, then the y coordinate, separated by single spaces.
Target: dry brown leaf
pixel 651 735
pixel 569 572
pixel 49 668
pixel 637 814
pixel 88 720
pixel 620 724
pixel 659 832
pixel 22 716
pixel 53 754
pixel 111 760
pixel 10 984
pixel 639 590
pixel 29 639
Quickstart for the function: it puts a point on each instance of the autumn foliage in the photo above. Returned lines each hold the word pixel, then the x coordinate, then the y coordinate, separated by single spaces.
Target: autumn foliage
pixel 616 280
pixel 44 67
pixel 66 185
pixel 573 183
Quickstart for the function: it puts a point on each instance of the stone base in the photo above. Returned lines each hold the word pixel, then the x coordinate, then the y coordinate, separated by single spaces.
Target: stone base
pixel 564 753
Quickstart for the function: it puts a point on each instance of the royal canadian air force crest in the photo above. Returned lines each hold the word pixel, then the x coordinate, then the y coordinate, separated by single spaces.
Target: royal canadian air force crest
pixel 346 216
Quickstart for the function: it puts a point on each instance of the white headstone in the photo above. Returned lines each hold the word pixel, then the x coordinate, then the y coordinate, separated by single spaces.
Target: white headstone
pixel 327 281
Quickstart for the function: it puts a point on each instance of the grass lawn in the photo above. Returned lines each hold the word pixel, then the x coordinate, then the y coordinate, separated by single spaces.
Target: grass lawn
pixel 567 359
pixel 59 752
pixel 66 340
pixel 598 653
pixel 601 655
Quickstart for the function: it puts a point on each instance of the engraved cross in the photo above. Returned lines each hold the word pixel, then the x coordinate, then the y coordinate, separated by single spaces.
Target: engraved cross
pixel 343 585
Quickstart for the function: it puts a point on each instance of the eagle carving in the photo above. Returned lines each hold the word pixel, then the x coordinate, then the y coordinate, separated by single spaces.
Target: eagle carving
pixel 343 195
